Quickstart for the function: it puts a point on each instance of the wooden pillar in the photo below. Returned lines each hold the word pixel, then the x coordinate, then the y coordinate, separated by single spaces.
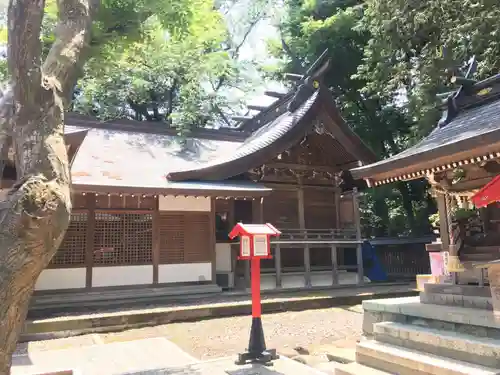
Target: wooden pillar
pixel 337 209
pixel 277 264
pixel 485 218
pixel 156 239
pixel 302 225
pixel 335 273
pixel 213 240
pixel 443 221
pixel 357 223
pixel 89 241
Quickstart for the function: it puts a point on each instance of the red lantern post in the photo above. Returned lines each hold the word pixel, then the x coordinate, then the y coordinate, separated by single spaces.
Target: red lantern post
pixel 255 245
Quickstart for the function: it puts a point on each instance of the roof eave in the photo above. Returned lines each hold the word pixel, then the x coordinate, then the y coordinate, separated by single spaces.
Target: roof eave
pixel 228 192
pixel 442 156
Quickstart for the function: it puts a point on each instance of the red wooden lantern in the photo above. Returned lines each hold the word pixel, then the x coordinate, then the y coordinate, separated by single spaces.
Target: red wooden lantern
pixel 255 245
pixel 254 240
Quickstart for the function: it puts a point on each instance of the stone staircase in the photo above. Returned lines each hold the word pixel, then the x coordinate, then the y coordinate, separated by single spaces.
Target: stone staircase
pixel 448 330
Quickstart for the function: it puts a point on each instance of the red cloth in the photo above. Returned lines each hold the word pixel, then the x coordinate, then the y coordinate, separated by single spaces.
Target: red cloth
pixel 489 193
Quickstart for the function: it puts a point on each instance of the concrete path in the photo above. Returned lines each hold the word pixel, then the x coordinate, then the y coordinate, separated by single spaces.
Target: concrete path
pixel 109 359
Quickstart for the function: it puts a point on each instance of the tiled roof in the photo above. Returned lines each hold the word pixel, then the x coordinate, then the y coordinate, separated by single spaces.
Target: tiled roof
pixel 476 127
pixel 138 160
pixel 279 130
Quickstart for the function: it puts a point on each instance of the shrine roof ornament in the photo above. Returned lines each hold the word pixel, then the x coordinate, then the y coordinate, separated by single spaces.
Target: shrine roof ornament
pixel 468 133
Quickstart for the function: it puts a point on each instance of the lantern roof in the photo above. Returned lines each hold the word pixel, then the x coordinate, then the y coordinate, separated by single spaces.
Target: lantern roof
pixel 253 229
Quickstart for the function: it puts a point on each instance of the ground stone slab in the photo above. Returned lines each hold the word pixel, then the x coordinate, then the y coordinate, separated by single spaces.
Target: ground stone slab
pixel 110 359
pixel 226 366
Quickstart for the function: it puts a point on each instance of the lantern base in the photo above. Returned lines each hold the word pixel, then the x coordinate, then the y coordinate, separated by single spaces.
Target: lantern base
pixel 257 352
pixel 264 358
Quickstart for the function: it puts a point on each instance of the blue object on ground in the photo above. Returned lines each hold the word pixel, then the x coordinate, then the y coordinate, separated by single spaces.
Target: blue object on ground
pixel 372 266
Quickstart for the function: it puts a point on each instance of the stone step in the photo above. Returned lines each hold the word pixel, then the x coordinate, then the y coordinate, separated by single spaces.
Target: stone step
pixel 409 310
pixel 462 290
pixel 459 346
pixel 41 303
pixel 402 361
pixel 479 257
pixel 358 369
pixel 475 302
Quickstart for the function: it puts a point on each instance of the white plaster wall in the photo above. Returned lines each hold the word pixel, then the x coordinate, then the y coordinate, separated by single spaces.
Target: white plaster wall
pixel 318 279
pixel 171 203
pixel 184 272
pixel 223 257
pixel 124 275
pixel 61 278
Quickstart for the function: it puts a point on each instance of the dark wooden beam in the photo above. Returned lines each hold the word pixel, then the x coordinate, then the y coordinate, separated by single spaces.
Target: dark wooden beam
pixel 491 166
pixel 275 94
pixel 302 167
pixel 463 81
pixel 293 77
pixel 256 107
pixel 241 118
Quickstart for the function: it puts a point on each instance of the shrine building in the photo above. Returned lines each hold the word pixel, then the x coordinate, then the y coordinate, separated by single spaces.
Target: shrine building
pixel 152 208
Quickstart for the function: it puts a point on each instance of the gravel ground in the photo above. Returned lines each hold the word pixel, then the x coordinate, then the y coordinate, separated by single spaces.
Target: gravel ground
pixel 283 331
pixel 313 329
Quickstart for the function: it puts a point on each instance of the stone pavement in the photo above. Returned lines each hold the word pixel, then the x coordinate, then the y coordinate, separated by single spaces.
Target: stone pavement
pixel 110 359
pixel 156 356
pixel 226 366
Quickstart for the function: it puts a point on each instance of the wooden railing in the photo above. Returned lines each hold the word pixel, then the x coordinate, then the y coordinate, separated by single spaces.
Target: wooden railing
pixel 316 235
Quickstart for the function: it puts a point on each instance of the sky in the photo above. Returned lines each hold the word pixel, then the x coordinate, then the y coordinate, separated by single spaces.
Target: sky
pixel 255 50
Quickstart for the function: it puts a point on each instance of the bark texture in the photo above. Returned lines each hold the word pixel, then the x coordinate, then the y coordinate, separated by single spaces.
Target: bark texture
pixel 36 214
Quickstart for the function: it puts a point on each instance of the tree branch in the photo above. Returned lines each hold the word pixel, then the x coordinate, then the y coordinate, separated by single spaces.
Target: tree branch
pixel 66 57
pixel 24 47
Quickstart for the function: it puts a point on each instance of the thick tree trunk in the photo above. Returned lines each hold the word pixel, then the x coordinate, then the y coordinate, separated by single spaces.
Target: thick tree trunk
pixel 35 216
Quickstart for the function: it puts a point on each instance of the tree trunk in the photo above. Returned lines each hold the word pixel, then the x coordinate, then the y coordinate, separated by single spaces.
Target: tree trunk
pixel 34 218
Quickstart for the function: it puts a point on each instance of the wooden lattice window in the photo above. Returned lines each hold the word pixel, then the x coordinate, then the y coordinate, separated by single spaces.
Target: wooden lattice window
pixel 198 239
pixel 123 238
pixel 172 239
pixel 73 247
pixel 185 237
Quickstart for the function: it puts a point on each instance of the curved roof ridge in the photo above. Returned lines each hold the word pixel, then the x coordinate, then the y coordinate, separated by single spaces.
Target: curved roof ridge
pixel 272 138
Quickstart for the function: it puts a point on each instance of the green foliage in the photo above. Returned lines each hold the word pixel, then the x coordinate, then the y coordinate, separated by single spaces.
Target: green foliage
pixel 307 30
pixel 165 60
pixel 463 213
pixel 413 44
pixel 434 220
pixel 162 77
pixel 152 68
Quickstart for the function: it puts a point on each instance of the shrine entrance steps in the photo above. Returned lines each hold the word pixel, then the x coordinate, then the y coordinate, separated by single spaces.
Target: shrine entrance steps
pixel 447 330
